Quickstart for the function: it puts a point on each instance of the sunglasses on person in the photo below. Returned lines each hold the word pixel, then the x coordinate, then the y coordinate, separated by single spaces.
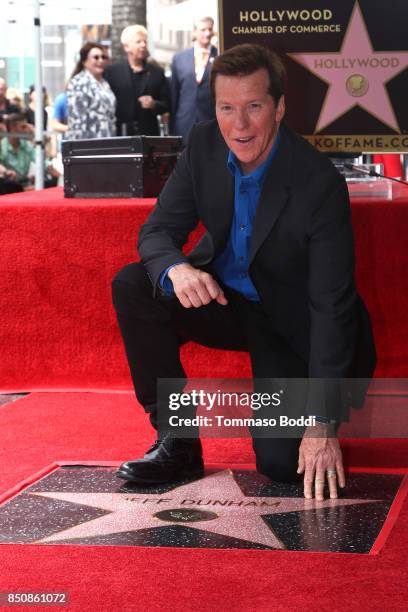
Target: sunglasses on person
pixel 98 57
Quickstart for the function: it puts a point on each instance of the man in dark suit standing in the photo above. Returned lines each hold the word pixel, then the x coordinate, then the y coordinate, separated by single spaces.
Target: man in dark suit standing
pixel 140 87
pixel 273 275
pixel 191 99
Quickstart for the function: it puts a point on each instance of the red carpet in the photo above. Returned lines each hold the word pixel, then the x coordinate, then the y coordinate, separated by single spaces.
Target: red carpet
pixel 57 259
pixel 44 427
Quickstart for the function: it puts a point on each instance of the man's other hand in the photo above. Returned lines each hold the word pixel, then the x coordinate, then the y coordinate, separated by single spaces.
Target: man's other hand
pixel 195 288
pixel 7 172
pixel 11 174
pixel 27 128
pixel 147 102
pixel 320 458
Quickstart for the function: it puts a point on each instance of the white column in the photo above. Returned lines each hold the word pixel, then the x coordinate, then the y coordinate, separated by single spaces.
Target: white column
pixel 39 101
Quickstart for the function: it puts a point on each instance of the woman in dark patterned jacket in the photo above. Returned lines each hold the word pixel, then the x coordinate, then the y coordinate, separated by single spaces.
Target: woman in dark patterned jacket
pixel 91 102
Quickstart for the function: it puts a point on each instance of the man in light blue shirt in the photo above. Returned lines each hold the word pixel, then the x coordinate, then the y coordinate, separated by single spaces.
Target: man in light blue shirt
pixel 18 154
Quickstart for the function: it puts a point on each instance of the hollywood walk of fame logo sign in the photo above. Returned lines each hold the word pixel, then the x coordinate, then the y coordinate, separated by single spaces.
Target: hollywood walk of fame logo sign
pixel 357 85
pixel 224 509
pixel 347 64
pixel 180 515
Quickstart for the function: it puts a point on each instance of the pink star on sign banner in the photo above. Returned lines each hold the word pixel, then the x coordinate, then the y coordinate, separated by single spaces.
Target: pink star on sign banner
pixel 356 75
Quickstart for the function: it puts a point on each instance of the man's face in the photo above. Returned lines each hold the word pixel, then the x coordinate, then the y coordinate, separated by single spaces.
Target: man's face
pixel 137 47
pixel 248 116
pixel 204 32
pixel 19 127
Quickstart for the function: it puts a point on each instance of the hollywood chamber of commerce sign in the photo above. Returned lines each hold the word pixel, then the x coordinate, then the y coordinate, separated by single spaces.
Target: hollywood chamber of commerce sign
pixel 347 64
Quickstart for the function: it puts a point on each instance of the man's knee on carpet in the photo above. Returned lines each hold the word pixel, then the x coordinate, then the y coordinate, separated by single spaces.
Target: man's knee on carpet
pixel 132 294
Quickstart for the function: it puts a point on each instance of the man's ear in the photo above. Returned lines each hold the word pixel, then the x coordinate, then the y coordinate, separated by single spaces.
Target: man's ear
pixel 280 109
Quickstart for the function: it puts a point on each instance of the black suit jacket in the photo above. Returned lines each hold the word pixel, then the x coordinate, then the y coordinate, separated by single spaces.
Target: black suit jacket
pixel 154 84
pixel 301 253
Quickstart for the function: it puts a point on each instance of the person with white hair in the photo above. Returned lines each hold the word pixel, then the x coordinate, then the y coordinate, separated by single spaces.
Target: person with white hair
pixel 139 85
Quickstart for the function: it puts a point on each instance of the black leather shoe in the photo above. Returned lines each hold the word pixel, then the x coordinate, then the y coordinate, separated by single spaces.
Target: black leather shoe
pixel 168 460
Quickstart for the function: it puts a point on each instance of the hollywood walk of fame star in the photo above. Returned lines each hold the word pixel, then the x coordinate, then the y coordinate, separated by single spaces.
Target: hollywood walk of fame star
pixel 223 509
pixel 356 75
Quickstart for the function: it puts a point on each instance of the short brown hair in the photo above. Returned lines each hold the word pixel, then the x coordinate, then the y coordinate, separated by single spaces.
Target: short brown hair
pixel 246 59
pixel 14 118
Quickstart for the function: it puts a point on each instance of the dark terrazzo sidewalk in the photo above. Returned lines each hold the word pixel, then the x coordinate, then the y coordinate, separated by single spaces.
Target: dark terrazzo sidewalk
pixel 10 397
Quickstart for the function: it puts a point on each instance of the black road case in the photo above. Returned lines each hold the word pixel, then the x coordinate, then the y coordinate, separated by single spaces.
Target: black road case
pixel 121 167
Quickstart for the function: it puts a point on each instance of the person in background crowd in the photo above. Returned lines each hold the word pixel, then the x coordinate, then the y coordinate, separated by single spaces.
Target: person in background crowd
pixel 191 99
pixel 7 182
pixel 6 107
pixel 140 86
pixel 59 120
pixel 59 125
pixel 29 112
pixel 18 154
pixel 16 98
pixel 91 102
pixel 7 176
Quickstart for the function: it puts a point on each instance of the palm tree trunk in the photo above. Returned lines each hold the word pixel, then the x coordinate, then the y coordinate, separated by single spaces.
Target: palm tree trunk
pixel 124 13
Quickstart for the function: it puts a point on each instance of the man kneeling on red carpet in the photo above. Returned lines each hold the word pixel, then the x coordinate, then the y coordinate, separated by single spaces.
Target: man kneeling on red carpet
pixel 273 275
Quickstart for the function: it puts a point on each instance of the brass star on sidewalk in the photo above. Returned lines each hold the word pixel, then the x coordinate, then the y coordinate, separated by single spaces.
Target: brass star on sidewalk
pixel 356 75
pixel 214 504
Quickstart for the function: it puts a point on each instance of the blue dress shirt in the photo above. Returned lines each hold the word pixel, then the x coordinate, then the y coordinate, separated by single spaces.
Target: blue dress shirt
pixel 232 265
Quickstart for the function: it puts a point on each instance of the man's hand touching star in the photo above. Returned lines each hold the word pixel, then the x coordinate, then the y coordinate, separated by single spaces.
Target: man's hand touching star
pixel 320 458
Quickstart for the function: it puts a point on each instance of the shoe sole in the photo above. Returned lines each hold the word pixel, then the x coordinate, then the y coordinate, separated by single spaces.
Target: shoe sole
pixel 151 481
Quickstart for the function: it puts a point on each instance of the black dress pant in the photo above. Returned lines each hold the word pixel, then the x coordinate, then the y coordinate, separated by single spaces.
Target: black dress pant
pixel 154 328
pixel 9 186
